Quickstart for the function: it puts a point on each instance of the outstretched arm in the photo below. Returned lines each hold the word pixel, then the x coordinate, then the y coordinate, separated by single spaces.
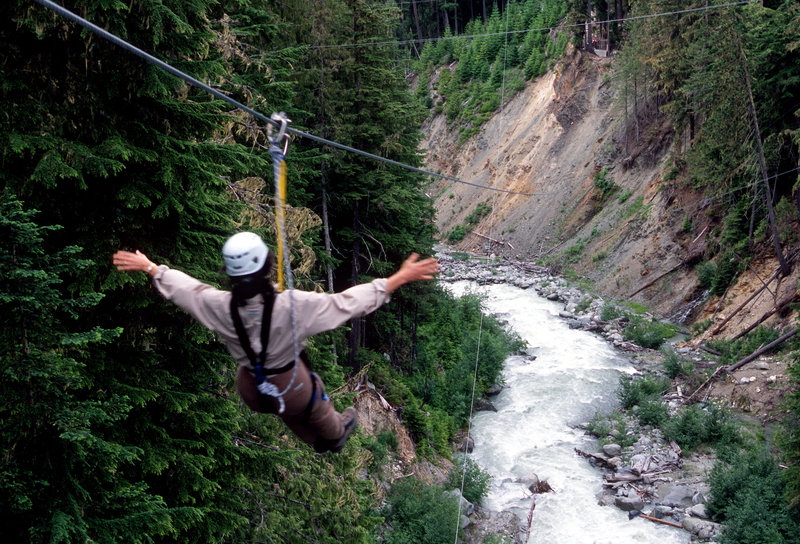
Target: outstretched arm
pixel 125 261
pixel 412 270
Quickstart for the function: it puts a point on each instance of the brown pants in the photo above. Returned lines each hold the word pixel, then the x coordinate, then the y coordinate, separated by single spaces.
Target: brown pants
pixel 322 424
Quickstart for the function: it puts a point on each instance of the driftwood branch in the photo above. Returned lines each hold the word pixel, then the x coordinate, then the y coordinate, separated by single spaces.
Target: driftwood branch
pixel 530 520
pixel 758 352
pixel 598 458
pixel 493 240
pixel 665 522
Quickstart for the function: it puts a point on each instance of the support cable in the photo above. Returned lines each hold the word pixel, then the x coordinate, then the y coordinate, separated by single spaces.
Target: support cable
pixel 547 28
pixel 214 92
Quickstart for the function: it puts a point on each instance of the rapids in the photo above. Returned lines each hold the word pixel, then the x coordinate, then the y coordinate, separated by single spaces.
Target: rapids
pixel 575 374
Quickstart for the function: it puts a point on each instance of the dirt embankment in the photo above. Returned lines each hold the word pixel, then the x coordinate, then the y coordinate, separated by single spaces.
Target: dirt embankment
pixel 640 243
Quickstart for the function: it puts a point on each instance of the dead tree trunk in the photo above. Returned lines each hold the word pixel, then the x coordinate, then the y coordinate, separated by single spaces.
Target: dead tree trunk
pixel 776 242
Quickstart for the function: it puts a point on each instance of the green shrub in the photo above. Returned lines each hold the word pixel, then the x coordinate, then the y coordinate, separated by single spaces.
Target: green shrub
pixel 457 234
pixel 696 425
pixel 574 251
pixel 633 390
pixel 728 269
pixel 476 480
pixel 420 514
pixel 648 334
pixel 706 272
pixel 385 442
pixel 734 350
pixel 652 411
pixel 688 225
pixel 599 426
pixel 674 366
pixel 604 183
pixel 480 211
pixel 748 495
pixel 610 312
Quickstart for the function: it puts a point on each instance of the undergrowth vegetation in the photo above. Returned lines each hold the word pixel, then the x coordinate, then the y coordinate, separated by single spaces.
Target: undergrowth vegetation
pixel 754 489
pixel 434 389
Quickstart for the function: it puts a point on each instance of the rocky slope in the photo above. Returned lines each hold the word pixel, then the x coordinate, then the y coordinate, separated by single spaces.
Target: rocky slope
pixel 640 243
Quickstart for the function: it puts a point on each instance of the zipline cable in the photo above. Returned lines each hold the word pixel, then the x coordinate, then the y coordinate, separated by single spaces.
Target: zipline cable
pixel 547 28
pixel 199 84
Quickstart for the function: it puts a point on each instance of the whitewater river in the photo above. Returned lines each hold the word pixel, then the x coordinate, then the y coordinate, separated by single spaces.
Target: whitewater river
pixel 574 375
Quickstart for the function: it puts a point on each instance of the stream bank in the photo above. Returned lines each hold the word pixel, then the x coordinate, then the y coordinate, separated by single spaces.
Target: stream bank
pixel 644 473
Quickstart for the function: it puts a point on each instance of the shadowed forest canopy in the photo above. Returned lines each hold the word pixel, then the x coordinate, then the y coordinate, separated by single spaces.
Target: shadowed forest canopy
pixel 119 421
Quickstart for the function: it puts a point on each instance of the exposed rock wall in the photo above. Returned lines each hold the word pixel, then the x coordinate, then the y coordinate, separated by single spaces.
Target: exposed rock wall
pixel 640 243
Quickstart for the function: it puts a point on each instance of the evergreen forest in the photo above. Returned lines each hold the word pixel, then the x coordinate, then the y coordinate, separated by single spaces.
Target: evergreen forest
pixel 119 418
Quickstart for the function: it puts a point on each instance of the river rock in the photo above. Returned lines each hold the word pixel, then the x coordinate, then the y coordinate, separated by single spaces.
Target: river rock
pixel 679 496
pixel 494 390
pixel 698 511
pixel 529 479
pixel 487 522
pixel 466 507
pixel 612 450
pixel 626 504
pixel 466 445
pixel 483 405
pixel 700 527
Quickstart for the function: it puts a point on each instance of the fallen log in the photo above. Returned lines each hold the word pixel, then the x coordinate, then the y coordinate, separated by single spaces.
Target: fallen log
pixel 670 271
pixel 665 522
pixel 709 350
pixel 599 458
pixel 615 477
pixel 780 306
pixel 493 240
pixel 758 352
pixel 530 520
pixel 760 290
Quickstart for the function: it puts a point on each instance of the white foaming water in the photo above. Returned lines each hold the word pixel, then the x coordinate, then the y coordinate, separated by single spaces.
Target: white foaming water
pixel 574 375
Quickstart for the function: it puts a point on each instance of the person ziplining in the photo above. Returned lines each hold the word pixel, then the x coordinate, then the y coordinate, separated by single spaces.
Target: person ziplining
pixel 255 323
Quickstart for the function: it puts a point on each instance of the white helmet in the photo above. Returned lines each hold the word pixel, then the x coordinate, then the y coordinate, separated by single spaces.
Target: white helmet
pixel 244 253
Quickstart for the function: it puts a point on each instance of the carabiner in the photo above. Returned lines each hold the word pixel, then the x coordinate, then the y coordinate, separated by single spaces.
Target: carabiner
pixel 284 122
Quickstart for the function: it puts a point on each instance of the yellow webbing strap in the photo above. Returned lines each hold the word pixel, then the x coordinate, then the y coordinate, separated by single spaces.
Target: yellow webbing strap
pixel 280 216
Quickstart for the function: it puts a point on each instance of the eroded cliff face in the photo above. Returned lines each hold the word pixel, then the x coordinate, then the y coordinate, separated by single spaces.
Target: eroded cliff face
pixel 639 243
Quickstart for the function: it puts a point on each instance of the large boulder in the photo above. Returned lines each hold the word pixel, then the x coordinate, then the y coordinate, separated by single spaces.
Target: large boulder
pixel 628 504
pixel 679 496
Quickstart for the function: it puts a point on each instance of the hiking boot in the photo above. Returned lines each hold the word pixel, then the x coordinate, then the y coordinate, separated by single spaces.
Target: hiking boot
pixel 350 420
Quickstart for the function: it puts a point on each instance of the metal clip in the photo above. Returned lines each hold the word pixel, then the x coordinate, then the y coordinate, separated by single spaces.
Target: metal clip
pixel 276 140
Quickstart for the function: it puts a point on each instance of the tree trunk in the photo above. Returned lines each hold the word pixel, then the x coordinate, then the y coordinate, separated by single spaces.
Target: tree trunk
pixel 416 21
pixel 589 25
pixel 326 230
pixel 776 242
pixel 357 323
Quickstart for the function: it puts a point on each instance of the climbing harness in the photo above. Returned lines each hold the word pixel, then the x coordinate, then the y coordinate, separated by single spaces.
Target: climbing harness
pixel 261 374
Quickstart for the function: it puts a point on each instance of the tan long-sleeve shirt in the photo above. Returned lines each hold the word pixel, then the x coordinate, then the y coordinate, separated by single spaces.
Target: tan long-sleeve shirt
pixel 314 313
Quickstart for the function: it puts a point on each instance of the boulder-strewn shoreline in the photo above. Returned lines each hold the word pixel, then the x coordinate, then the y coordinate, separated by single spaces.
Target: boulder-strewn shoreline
pixel 649 478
